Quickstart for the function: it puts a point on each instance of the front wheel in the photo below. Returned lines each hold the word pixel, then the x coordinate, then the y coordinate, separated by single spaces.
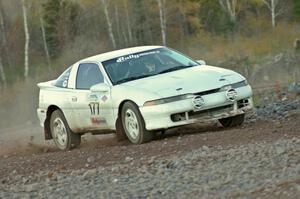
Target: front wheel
pixel 233 121
pixel 62 135
pixel 134 125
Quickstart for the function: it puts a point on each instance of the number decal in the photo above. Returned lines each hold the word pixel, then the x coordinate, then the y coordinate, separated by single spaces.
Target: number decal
pixel 95 108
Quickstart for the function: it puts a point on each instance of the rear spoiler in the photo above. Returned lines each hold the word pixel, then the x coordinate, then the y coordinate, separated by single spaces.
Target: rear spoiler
pixel 48 84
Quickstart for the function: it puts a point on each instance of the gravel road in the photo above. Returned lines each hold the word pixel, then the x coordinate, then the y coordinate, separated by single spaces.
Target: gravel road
pixel 207 172
pixel 260 159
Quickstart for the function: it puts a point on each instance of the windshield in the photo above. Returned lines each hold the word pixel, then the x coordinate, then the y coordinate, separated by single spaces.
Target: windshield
pixel 144 64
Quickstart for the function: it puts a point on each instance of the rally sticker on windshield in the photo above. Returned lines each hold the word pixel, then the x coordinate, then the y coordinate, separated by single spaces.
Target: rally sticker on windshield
pixel 136 56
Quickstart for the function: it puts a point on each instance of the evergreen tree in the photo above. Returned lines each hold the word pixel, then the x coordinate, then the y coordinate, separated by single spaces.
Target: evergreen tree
pixel 61 23
pixel 296 9
pixel 213 18
pixel 51 18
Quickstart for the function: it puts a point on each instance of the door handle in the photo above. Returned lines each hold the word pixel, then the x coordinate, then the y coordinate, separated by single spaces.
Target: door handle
pixel 74 99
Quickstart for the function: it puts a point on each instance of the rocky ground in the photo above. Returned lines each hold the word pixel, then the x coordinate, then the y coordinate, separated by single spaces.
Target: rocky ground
pixel 260 159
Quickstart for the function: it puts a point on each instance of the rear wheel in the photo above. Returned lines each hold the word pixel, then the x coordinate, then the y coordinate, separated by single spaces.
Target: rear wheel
pixel 233 121
pixel 62 135
pixel 134 125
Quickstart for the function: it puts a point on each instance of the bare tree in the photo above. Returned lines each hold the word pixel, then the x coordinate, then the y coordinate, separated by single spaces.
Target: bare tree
pixel 109 24
pixel 3 33
pixel 2 44
pixel 229 6
pixel 118 29
pixel 45 43
pixel 2 73
pixel 129 30
pixel 2 28
pixel 163 20
pixel 273 8
pixel 27 37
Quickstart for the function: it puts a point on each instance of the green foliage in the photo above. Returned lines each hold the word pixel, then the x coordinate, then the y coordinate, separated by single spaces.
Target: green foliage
pixel 76 29
pixel 60 18
pixel 51 18
pixel 213 18
pixel 296 9
pixel 140 18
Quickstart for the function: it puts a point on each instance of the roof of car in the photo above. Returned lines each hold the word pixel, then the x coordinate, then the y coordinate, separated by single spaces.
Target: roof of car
pixel 118 53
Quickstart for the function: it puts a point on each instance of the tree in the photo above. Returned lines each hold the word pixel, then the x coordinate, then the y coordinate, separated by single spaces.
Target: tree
pixel 230 7
pixel 45 43
pixel 50 18
pixel 273 8
pixel 2 45
pixel 60 20
pixel 27 37
pixel 2 73
pixel 4 36
pixel 163 20
pixel 296 7
pixel 128 20
pixel 213 17
pixel 186 13
pixel 143 21
pixel 109 24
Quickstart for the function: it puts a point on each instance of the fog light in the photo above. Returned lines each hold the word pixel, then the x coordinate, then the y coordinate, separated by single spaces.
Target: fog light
pixel 231 94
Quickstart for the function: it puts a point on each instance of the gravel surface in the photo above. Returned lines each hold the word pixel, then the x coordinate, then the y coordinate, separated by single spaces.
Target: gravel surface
pixel 260 159
pixel 277 111
pixel 205 172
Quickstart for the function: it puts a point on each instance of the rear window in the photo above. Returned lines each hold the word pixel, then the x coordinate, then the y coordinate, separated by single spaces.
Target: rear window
pixel 63 79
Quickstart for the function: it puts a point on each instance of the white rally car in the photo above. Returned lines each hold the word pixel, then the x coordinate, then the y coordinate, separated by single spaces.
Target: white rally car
pixel 136 92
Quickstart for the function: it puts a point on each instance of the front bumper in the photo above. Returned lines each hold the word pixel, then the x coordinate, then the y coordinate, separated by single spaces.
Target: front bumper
pixel 182 112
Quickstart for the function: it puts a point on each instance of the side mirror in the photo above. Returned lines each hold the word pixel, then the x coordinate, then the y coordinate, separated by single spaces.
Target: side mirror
pixel 201 62
pixel 102 87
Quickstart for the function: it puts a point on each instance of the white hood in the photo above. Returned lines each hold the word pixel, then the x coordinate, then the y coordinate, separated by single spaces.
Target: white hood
pixel 190 80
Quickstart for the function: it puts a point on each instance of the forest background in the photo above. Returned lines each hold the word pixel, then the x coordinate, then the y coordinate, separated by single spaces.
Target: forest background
pixel 40 38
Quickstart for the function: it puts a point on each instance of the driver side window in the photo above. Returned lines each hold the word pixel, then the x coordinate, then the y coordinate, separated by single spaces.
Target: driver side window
pixel 88 75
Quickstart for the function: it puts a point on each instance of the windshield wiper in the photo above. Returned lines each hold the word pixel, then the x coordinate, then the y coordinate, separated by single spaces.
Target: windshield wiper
pixel 174 69
pixel 132 78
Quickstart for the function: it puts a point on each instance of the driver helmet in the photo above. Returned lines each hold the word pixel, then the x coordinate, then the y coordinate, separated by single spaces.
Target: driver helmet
pixel 150 65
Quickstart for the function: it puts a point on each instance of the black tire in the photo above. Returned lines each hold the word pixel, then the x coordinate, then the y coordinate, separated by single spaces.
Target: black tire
pixel 71 140
pixel 233 121
pixel 143 135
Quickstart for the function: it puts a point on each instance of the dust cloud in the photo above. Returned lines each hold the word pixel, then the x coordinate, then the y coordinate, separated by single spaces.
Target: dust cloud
pixel 19 126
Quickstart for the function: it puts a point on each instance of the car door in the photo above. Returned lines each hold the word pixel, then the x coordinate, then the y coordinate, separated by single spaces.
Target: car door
pixel 92 110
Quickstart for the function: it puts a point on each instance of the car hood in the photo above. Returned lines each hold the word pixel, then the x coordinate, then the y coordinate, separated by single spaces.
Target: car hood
pixel 190 80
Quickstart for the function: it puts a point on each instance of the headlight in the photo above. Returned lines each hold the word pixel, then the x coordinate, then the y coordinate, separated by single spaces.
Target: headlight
pixel 235 85
pixel 225 88
pixel 239 84
pixel 168 100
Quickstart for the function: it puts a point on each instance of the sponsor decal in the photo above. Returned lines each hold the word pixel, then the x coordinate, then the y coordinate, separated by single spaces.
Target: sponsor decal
pixel 65 83
pixel 98 120
pixel 94 108
pixel 136 56
pixel 95 114
pixel 92 97
pixel 104 98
